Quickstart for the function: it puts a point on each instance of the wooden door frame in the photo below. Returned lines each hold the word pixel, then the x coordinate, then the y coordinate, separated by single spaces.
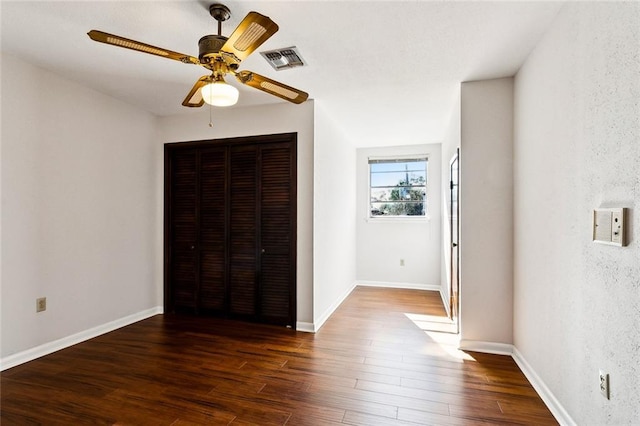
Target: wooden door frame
pixel 170 147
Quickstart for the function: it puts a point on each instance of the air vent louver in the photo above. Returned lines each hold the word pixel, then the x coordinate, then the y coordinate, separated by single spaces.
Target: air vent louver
pixel 284 58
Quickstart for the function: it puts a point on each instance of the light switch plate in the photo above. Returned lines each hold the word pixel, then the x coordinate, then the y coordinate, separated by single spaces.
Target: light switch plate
pixel 609 226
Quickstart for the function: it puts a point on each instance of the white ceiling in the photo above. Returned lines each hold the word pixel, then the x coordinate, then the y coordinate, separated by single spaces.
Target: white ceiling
pixel 386 72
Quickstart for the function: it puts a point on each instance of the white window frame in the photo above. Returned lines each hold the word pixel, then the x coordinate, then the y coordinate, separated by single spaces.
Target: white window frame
pixel 396 219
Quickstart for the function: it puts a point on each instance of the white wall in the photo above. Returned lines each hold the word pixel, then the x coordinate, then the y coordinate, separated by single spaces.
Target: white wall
pixel 450 144
pixel 78 208
pixel 577 147
pixel 251 121
pixel 382 243
pixel 334 216
pixel 486 213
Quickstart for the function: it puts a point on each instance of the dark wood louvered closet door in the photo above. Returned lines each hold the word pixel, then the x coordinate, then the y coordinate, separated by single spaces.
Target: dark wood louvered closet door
pixel 276 233
pixel 212 229
pixel 243 245
pixel 230 228
pixel 183 223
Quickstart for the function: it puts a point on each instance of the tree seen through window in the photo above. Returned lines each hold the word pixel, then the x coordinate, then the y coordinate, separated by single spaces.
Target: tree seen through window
pixel 398 187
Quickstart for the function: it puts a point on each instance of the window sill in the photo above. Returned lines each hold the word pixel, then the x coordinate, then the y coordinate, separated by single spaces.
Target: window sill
pixel 424 219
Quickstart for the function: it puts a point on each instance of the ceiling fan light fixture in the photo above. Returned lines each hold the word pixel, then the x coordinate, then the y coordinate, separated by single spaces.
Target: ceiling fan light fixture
pixel 219 93
pixel 221 56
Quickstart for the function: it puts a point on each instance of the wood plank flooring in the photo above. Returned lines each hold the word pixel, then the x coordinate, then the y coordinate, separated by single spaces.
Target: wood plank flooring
pixel 374 362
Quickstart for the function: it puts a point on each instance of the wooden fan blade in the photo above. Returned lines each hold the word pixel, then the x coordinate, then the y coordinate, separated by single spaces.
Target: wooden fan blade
pixel 272 87
pixel 254 30
pixel 194 98
pixel 115 40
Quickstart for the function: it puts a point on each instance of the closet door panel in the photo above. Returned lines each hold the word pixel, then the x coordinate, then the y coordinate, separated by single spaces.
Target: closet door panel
pixel 242 231
pixel 212 229
pixel 184 228
pixel 276 232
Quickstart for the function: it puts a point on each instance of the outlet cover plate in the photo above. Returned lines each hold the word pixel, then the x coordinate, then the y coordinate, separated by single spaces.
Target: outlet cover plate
pixel 604 383
pixel 609 226
pixel 41 304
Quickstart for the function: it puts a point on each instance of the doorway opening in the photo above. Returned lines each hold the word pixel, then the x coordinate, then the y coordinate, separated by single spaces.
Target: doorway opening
pixel 454 223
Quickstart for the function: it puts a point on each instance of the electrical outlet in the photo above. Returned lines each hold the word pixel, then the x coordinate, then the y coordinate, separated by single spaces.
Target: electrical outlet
pixel 617 227
pixel 401 262
pixel 41 304
pixel 604 384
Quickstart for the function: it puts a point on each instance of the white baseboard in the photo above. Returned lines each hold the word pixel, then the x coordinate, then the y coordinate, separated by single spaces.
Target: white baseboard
pixel 486 347
pixel 545 393
pixel 306 327
pixel 50 347
pixel 410 286
pixel 331 309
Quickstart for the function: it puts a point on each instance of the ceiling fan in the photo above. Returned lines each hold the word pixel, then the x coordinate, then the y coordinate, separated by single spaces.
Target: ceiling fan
pixel 221 55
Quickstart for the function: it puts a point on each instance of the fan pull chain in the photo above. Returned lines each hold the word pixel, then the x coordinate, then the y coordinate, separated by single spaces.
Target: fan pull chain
pixel 210 112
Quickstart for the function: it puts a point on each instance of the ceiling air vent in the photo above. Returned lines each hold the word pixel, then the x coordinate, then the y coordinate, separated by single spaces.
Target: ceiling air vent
pixel 285 58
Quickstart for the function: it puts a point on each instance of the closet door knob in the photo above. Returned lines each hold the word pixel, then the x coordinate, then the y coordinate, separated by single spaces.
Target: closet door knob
pixel 263 251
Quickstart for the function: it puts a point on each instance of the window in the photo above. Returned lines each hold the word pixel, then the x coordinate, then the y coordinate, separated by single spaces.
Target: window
pixel 398 187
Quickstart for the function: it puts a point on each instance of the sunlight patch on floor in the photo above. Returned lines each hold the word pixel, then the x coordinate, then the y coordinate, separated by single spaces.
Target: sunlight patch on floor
pixel 443 331
pixel 432 323
pixel 449 343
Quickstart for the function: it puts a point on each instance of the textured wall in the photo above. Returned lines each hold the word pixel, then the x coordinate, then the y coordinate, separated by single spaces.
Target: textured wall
pixel 486 212
pixel 78 208
pixel 577 147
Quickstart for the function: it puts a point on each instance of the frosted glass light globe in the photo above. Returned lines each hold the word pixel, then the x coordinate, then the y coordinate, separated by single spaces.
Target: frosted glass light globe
pixel 219 94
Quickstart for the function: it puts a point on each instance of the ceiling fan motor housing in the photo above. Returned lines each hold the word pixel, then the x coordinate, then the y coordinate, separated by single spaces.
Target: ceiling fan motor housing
pixel 209 47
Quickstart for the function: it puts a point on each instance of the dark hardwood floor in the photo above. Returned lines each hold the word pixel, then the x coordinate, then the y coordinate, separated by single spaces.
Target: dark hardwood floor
pixel 373 363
